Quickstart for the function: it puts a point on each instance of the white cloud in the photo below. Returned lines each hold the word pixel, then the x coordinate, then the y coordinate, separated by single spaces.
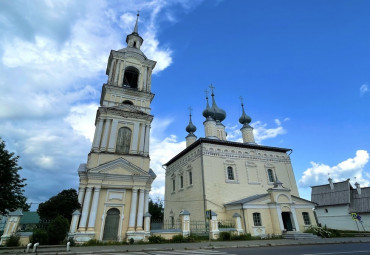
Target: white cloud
pixel 349 168
pixel 364 89
pixel 53 56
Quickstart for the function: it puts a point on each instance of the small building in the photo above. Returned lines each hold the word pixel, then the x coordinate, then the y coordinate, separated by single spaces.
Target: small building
pixel 235 179
pixel 340 206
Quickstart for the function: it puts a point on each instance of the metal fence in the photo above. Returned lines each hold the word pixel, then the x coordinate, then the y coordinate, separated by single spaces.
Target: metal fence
pixel 165 224
pixel 226 224
pixel 199 227
pixel 30 227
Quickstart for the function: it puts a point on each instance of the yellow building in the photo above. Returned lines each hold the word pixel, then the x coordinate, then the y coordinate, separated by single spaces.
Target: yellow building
pixel 235 179
pixel 116 180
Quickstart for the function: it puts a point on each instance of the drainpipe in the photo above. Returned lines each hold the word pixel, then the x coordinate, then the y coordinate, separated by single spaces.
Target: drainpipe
pixel 245 225
pixel 204 189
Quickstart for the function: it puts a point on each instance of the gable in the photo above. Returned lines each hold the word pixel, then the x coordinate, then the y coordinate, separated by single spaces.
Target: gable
pixel 119 166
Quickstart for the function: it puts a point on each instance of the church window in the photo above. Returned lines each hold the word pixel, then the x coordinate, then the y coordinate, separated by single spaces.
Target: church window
pixel 270 174
pixel 123 140
pixel 190 178
pixel 131 77
pixel 127 102
pixel 181 181
pixel 257 219
pixel 173 185
pixel 306 218
pixel 230 173
pixel 135 44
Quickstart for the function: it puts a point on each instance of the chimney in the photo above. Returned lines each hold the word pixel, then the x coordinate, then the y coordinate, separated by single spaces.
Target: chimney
pixel 358 188
pixel 331 183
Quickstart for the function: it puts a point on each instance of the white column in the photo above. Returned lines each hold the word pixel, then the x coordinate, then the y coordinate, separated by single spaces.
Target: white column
pixel 117 74
pixel 140 214
pixel 113 136
pixel 145 74
pixel 135 137
pixel 75 216
pixel 278 210
pixel 111 70
pixel 85 208
pixel 132 220
pixel 296 224
pixel 147 134
pixel 142 138
pixel 94 208
pixel 146 203
pixel 81 193
pixel 97 136
pixel 105 135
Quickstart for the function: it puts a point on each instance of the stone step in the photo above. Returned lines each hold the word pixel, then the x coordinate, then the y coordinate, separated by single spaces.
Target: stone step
pixel 299 235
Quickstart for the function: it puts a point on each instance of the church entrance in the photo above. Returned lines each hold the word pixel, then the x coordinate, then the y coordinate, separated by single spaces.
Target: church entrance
pixel 287 221
pixel 111 225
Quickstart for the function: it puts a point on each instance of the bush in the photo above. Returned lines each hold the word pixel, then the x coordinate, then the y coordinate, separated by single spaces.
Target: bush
pixel 319 231
pixel 131 241
pixel 12 241
pixel 178 239
pixel 39 236
pixel 156 239
pixel 93 242
pixel 224 236
pixel 241 237
pixel 57 230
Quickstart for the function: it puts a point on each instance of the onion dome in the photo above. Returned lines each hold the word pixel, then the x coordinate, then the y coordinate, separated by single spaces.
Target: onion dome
pixel 218 113
pixel 190 128
pixel 244 119
pixel 208 113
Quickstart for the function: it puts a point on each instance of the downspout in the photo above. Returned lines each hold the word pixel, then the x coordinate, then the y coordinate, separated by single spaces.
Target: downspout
pixel 245 225
pixel 204 189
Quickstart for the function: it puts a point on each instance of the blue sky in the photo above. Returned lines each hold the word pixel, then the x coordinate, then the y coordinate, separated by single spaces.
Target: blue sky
pixel 302 68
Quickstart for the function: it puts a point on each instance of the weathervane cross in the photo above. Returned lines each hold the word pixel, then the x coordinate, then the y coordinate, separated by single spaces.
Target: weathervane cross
pixel 241 99
pixel 211 87
pixel 206 93
pixel 190 109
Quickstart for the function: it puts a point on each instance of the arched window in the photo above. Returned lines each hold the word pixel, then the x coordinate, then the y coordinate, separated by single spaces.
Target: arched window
pixel 230 173
pixel 270 174
pixel 181 181
pixel 190 178
pixel 131 77
pixel 123 140
pixel 257 219
pixel 306 218
pixel 127 102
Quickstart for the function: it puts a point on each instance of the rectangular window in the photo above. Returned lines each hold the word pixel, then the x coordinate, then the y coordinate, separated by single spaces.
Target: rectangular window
pixel 230 173
pixel 270 175
pixel 181 182
pixel 257 219
pixel 173 185
pixel 306 218
pixel 190 178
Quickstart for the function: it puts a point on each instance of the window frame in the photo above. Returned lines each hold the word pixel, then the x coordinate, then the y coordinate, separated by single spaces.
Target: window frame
pixel 257 219
pixel 230 173
pixel 306 218
pixel 125 146
pixel 271 178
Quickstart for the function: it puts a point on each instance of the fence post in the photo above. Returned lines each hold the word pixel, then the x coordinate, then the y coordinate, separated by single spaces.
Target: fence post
pixel 11 225
pixel 213 226
pixel 75 216
pixel 185 222
pixel 147 222
pixel 238 223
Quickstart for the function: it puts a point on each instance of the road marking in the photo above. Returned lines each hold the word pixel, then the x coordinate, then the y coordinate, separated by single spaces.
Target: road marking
pixel 340 252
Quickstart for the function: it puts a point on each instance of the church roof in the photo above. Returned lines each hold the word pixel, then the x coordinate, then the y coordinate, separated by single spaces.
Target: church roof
pixel 226 143
pixel 323 195
pixel 247 199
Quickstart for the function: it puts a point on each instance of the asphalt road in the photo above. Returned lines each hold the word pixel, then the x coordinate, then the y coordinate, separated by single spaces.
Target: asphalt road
pixel 323 249
pixel 326 249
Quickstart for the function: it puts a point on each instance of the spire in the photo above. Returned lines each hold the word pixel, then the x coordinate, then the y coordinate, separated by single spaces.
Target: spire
pixel 207 113
pixel 190 128
pixel 218 113
pixel 244 119
pixel 136 24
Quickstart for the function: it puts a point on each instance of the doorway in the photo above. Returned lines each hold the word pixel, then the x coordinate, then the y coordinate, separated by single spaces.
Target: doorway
pixel 111 225
pixel 287 221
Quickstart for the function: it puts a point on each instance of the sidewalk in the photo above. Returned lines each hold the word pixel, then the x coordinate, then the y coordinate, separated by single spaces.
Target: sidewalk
pixel 187 246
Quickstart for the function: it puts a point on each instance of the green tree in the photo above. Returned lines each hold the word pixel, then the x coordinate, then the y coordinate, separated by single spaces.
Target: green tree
pixel 156 209
pixel 11 184
pixel 63 204
pixel 57 230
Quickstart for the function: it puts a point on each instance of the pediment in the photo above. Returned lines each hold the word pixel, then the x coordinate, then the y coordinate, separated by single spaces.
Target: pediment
pixel 119 166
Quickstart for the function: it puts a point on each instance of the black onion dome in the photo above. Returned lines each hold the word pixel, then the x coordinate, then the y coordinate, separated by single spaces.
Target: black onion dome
pixel 218 113
pixel 244 119
pixel 208 111
pixel 190 128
